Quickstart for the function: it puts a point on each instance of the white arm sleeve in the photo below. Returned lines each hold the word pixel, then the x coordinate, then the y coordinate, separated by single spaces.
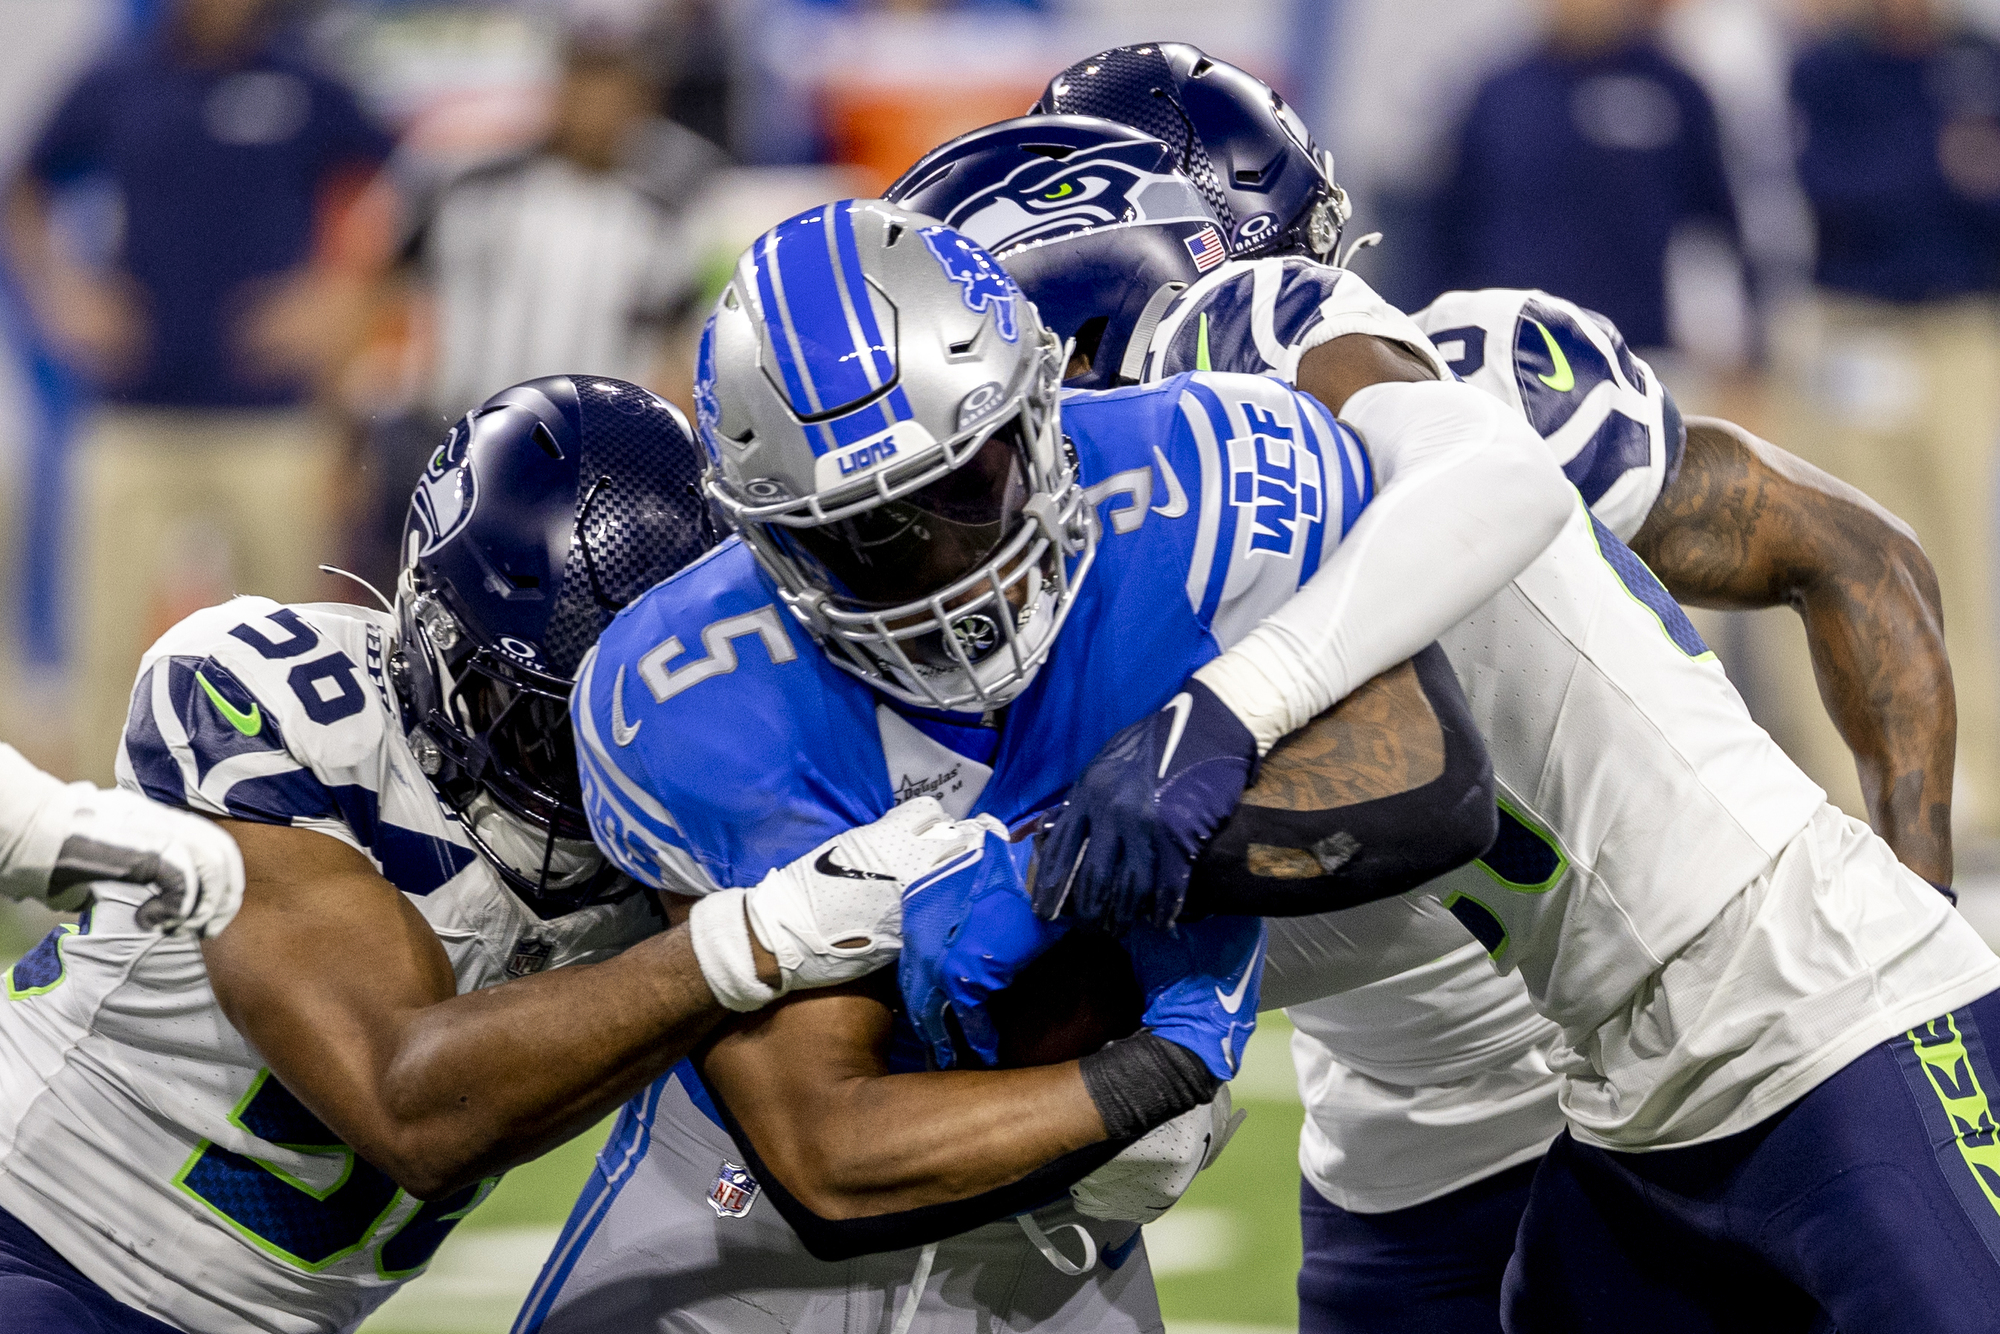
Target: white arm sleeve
pixel 29 843
pixel 1466 496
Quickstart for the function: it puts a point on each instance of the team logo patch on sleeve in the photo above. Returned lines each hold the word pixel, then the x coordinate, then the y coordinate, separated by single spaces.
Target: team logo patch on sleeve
pixel 1207 248
pixel 734 1191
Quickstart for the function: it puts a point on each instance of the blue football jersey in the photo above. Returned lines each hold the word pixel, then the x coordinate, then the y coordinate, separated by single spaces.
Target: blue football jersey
pixel 717 742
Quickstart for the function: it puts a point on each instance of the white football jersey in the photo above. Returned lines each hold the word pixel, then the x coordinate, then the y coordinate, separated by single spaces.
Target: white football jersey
pixel 140 1135
pixel 1421 1082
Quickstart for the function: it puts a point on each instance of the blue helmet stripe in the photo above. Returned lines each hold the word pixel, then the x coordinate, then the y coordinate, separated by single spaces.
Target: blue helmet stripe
pixel 860 311
pixel 778 323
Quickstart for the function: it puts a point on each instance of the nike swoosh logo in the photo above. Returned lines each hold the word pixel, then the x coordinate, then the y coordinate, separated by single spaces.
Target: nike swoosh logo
pixel 1177 503
pixel 826 865
pixel 1182 705
pixel 1564 379
pixel 1201 344
pixel 1232 1001
pixel 249 724
pixel 621 731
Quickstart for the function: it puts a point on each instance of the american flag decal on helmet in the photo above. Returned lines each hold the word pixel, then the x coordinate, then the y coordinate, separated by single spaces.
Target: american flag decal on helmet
pixel 734 1191
pixel 1207 248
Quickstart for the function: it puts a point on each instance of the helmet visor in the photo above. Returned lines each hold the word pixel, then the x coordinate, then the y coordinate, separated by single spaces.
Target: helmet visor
pixel 906 549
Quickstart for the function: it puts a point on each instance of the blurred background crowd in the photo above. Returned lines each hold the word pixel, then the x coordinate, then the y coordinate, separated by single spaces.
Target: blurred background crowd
pixel 256 254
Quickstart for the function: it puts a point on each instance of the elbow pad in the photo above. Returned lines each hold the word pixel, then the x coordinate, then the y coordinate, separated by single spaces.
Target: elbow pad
pixel 845 1238
pixel 1287 863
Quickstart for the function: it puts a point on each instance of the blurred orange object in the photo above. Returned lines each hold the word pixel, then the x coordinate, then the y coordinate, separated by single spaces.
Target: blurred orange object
pixel 882 129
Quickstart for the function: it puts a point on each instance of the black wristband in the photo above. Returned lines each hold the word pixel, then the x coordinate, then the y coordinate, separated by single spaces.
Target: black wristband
pixel 1145 1081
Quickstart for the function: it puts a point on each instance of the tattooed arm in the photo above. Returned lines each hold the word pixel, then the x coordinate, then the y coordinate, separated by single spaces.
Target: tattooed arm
pixel 1743 525
pixel 1389 788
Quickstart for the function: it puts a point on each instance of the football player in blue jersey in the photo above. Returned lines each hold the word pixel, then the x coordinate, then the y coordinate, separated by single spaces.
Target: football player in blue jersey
pixel 946 585
pixel 1397 1213
pixel 433 974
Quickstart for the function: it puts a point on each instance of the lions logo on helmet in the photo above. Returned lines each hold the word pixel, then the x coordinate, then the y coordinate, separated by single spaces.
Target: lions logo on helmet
pixel 446 494
pixel 986 285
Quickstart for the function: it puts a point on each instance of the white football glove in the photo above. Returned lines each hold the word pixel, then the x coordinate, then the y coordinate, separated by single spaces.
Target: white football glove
pixel 836 913
pixel 58 839
pixel 1156 1169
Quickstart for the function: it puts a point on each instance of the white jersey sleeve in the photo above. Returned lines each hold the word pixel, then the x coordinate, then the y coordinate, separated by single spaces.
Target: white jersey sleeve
pixel 1601 410
pixel 1260 316
pixel 141 1136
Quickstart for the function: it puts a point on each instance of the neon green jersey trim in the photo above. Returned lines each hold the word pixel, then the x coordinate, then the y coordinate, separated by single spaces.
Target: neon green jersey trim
pixel 1598 540
pixel 1500 949
pixel 1201 344
pixel 1562 858
pixel 398 1275
pixel 318 1150
pixel 249 724
pixel 15 993
pixel 1564 379
pixel 1948 1068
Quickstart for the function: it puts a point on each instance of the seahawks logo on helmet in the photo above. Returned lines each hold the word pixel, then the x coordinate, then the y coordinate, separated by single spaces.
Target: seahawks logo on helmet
pixel 446 495
pixel 1131 181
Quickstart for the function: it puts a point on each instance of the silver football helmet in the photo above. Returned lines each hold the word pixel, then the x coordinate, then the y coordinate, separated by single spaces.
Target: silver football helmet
pixel 880 407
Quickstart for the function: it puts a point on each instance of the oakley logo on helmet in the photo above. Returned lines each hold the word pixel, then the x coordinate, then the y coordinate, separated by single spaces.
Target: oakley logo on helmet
pixel 1255 228
pixel 982 283
pixel 979 402
pixel 445 498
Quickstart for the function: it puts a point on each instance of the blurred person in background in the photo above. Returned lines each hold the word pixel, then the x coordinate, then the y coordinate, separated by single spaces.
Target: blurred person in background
pixel 576 255
pixel 1894 376
pixel 1577 165
pixel 206 333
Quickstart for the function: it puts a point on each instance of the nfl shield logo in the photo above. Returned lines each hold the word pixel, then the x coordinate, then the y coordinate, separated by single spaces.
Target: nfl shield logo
pixel 734 1191
pixel 530 956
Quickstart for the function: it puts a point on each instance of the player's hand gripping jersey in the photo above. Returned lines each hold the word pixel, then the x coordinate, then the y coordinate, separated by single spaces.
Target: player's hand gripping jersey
pixel 1646 821
pixel 140 1135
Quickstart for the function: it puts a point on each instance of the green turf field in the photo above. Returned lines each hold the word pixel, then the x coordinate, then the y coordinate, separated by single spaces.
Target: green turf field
pixel 1226 1256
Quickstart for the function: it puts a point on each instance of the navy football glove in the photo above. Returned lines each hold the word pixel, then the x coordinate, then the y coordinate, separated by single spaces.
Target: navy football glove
pixel 1200 980
pixel 1126 840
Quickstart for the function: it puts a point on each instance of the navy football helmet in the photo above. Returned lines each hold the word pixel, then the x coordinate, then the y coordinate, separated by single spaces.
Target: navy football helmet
pixel 1089 216
pixel 547 509
pixel 1247 152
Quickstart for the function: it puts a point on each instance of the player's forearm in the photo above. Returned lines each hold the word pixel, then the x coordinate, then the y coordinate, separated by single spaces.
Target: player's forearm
pixel 957 1134
pixel 1879 658
pixel 1745 525
pixel 1466 498
pixel 490 1079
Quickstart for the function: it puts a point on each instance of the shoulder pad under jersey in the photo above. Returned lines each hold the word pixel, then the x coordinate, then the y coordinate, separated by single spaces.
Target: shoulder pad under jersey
pixel 1602 411
pixel 1266 480
pixel 1260 316
pixel 714 738
pixel 281 715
